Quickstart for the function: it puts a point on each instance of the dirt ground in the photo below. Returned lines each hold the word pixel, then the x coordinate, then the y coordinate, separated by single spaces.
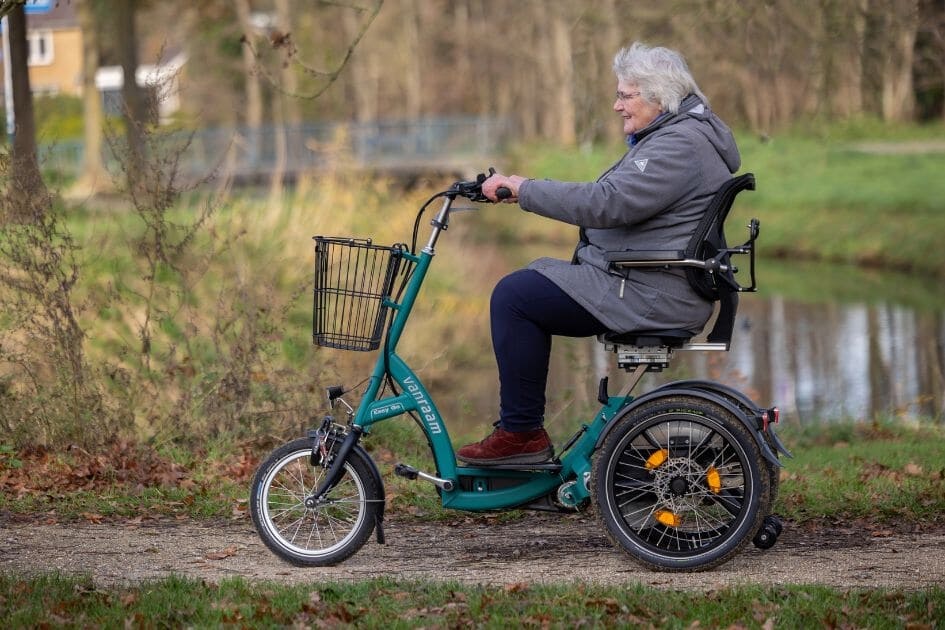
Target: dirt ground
pixel 540 548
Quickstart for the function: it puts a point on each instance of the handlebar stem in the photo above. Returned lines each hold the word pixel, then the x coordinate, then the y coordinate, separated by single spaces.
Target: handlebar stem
pixel 440 223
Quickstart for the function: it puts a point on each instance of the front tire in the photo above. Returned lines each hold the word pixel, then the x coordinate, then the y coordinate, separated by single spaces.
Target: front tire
pixel 328 533
pixel 680 484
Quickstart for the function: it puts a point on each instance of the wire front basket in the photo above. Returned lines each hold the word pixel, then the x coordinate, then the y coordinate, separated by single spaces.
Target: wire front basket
pixel 353 278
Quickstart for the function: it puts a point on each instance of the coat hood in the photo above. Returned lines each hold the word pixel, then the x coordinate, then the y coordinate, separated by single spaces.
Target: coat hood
pixel 711 126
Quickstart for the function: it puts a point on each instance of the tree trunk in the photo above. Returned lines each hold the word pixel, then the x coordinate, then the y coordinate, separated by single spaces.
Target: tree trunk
pixel 27 192
pixel 288 76
pixel 413 77
pixel 285 109
pixel 565 112
pixel 888 51
pixel 94 177
pixel 898 94
pixel 135 108
pixel 364 72
pixel 253 90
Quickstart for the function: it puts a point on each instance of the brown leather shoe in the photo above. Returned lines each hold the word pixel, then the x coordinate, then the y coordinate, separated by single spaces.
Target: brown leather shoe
pixel 507 447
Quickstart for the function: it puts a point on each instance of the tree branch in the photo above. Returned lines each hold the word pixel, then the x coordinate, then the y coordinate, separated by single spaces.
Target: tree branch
pixel 284 41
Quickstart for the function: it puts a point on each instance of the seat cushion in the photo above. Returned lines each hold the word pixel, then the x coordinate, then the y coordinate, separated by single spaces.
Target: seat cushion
pixel 646 338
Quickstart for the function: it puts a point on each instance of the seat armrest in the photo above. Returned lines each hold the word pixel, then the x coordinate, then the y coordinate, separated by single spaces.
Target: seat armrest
pixel 654 256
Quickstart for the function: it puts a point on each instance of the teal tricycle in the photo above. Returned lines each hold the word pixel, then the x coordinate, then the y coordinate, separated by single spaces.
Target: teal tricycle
pixel 681 478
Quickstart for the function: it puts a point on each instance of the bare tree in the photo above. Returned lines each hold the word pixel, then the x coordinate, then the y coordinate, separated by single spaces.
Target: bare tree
pixel 930 55
pixel 888 51
pixel 364 67
pixel 562 128
pixel 28 192
pixel 94 177
pixel 135 107
pixel 253 117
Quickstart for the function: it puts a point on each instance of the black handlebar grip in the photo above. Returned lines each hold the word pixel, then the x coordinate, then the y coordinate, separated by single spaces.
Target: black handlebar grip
pixel 502 193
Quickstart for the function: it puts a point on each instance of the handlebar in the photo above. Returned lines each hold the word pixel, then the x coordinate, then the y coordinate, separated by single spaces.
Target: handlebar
pixel 472 190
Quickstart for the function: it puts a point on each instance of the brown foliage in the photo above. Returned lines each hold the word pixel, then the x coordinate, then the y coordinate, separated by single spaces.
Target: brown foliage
pixel 71 469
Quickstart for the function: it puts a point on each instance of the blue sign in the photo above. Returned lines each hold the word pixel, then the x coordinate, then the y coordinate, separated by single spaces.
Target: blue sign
pixel 38 6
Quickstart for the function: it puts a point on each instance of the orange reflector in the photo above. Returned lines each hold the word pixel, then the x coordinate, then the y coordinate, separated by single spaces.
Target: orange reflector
pixel 668 519
pixel 714 479
pixel 656 459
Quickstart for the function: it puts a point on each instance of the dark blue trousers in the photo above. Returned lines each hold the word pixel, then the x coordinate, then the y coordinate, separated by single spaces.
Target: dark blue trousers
pixel 526 310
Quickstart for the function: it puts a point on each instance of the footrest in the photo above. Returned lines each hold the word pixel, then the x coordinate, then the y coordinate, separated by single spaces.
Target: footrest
pixel 551 466
pixel 405 471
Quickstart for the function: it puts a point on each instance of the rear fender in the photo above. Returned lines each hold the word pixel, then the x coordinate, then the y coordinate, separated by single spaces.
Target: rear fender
pixel 741 399
pixel 704 390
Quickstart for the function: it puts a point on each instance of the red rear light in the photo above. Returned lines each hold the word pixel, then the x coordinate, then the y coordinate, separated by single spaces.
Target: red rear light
pixel 769 416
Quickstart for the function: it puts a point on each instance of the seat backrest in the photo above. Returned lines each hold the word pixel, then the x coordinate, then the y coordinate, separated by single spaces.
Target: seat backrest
pixel 709 237
pixel 706 242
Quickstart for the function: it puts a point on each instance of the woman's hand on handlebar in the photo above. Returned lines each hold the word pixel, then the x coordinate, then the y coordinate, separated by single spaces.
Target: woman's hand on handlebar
pixel 491 186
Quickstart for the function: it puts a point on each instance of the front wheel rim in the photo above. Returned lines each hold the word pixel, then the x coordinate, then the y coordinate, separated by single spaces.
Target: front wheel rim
pixel 306 531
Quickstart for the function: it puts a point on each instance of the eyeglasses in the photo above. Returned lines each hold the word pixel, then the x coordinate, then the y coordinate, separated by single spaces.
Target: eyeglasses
pixel 623 97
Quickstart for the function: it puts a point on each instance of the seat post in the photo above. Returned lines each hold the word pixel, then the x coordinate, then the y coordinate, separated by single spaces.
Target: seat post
pixel 635 377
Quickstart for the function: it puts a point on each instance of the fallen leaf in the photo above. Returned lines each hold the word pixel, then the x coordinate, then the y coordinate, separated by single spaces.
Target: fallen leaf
pixel 220 555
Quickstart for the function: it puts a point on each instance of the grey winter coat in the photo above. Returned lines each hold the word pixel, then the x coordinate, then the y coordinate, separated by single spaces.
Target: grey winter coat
pixel 652 199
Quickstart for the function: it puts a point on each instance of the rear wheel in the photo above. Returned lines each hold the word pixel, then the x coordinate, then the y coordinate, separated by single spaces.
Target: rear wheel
pixel 680 484
pixel 331 531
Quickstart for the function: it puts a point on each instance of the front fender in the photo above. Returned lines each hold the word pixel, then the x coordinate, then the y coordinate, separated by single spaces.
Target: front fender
pixel 342 450
pixel 376 473
pixel 703 391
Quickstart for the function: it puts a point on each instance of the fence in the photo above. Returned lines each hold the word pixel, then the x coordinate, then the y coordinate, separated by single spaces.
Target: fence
pixel 407 147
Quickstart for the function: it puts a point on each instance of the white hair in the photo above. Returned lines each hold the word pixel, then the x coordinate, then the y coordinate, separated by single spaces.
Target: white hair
pixel 661 75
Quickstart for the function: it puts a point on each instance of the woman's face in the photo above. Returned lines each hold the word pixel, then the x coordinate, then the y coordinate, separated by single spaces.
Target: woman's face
pixel 635 111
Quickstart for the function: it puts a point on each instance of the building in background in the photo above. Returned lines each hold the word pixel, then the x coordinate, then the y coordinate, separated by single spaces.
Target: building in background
pixel 55 62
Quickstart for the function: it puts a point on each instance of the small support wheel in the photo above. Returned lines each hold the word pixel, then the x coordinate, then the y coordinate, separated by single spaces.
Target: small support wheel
pixel 771 528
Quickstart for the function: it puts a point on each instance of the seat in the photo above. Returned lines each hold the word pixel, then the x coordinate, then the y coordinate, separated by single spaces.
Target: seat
pixel 707 261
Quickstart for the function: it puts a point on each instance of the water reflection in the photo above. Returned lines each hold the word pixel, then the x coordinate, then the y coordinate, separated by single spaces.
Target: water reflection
pixel 829 360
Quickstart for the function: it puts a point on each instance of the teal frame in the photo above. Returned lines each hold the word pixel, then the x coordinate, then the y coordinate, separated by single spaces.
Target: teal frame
pixel 471 488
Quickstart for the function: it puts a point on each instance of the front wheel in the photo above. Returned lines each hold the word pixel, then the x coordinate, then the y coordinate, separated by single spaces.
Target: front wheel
pixel 331 531
pixel 680 484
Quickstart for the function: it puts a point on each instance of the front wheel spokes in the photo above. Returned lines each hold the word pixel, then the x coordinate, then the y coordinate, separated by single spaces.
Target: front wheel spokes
pixel 329 521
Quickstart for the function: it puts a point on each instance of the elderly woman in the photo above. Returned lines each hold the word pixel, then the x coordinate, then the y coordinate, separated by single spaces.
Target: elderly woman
pixel 679 154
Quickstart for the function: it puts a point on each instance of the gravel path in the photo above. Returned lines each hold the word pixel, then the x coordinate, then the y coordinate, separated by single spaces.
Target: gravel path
pixel 538 548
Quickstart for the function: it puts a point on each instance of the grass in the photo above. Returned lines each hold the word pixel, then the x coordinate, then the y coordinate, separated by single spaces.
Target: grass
pixel 54 600
pixel 886 473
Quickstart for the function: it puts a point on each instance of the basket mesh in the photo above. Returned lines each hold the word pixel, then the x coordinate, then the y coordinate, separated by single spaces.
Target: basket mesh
pixel 353 277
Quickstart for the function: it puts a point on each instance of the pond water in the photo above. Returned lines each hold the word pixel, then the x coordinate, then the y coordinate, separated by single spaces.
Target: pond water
pixel 829 343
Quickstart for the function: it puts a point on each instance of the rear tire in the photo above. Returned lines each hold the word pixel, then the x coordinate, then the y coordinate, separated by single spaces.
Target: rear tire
pixel 680 484
pixel 321 536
